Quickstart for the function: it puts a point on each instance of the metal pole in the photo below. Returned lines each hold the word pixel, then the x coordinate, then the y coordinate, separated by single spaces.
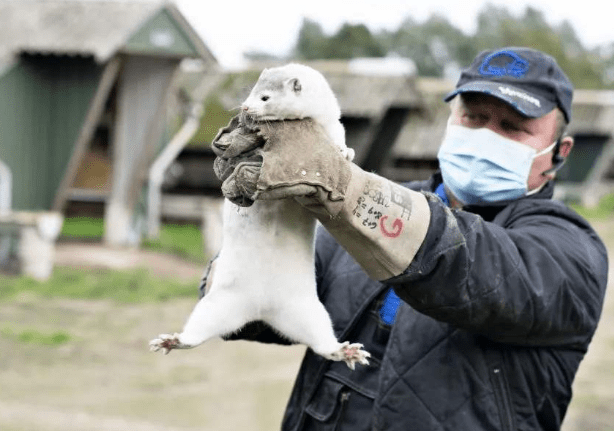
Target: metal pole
pixel 159 166
pixel 6 197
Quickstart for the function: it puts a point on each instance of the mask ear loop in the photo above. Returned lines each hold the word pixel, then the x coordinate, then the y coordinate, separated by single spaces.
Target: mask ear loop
pixel 557 160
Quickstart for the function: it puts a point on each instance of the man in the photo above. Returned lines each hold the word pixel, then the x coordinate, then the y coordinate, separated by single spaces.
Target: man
pixel 475 293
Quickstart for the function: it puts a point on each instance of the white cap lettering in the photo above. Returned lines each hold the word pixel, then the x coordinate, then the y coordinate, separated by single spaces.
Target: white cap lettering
pixel 515 93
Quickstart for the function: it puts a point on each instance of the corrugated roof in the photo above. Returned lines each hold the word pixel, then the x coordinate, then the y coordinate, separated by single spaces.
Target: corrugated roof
pixel 370 96
pixel 422 134
pixel 78 27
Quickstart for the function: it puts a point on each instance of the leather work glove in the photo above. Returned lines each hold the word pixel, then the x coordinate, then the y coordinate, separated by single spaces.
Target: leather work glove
pixel 238 149
pixel 252 164
pixel 380 223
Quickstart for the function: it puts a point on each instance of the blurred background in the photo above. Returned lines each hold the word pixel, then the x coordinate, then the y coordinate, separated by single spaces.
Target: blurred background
pixel 109 208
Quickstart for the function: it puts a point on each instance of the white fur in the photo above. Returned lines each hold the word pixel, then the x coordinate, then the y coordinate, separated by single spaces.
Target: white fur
pixel 314 100
pixel 265 269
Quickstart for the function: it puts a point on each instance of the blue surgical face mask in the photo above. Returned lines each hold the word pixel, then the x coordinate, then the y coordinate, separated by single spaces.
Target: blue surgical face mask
pixel 480 166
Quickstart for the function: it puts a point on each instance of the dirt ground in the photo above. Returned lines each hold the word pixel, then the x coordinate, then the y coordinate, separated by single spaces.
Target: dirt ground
pixel 105 379
pixel 592 406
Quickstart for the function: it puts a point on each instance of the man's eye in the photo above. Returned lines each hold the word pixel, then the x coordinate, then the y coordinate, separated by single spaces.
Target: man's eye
pixel 473 118
pixel 510 126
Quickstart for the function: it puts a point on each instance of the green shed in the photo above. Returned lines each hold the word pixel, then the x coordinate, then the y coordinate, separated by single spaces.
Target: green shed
pixel 83 91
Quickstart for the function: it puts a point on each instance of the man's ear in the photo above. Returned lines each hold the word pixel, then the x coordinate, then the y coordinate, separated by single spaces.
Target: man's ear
pixel 565 146
pixel 558 159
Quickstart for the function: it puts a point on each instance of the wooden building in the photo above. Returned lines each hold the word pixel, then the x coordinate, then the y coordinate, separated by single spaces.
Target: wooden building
pixel 588 175
pixel 83 92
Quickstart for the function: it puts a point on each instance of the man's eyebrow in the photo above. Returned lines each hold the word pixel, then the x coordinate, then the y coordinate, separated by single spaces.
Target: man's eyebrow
pixel 474 103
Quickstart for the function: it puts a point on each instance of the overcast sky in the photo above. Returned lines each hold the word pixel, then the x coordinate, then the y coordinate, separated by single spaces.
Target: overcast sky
pixel 230 28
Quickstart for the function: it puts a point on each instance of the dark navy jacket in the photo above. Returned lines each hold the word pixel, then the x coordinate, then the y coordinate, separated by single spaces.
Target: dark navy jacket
pixel 498 309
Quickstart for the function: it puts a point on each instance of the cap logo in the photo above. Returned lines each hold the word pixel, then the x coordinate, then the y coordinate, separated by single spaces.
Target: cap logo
pixel 515 93
pixel 504 63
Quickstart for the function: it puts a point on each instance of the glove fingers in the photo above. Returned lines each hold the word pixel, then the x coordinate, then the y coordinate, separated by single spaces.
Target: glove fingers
pixel 236 139
pixel 239 142
pixel 223 168
pixel 287 192
pixel 221 143
pixel 240 186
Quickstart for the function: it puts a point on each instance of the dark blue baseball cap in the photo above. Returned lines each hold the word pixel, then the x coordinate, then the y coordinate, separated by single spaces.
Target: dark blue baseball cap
pixel 529 80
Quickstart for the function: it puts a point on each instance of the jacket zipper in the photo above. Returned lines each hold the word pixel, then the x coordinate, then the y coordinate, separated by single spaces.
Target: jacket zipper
pixel 503 400
pixel 343 399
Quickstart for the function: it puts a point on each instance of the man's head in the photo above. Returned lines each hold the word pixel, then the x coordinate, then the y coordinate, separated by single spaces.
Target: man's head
pixel 528 80
pixel 522 95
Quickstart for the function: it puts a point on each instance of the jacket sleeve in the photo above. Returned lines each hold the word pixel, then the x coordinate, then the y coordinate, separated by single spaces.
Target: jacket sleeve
pixel 536 275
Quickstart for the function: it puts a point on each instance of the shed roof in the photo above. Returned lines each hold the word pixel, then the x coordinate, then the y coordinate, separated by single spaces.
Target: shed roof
pixel 97 28
pixel 422 135
pixel 360 95
pixel 364 94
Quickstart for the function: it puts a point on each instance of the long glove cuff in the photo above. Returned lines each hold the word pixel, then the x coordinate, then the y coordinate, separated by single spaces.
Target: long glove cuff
pixel 381 224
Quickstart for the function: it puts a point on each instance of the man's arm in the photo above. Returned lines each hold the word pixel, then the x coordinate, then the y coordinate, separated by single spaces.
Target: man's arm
pixel 535 276
pixel 379 222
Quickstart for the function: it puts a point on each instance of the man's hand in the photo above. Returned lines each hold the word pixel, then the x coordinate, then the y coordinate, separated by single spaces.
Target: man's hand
pixel 257 162
pixel 238 149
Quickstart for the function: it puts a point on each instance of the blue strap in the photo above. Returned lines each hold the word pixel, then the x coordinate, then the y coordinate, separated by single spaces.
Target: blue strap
pixel 389 309
pixel 441 192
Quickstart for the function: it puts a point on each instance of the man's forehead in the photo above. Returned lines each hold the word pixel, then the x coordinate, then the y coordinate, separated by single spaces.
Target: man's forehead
pixel 480 103
pixel 486 101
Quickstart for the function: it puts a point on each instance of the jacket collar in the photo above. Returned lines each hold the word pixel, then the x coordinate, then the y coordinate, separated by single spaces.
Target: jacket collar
pixel 488 210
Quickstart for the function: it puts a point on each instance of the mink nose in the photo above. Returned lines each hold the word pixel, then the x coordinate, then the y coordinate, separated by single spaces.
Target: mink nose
pixel 243 107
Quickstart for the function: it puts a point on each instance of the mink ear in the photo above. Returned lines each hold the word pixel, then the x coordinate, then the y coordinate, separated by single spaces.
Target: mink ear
pixel 295 84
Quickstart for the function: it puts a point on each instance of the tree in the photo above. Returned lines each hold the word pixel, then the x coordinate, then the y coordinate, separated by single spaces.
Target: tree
pixel 431 45
pixel 350 41
pixel 353 41
pixel 312 42
pixel 436 44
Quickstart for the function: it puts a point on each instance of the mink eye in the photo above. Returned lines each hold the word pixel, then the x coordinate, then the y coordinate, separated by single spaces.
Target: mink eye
pixel 264 98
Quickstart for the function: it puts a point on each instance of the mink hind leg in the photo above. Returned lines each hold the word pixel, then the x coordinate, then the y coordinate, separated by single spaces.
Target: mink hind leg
pixel 218 313
pixel 306 321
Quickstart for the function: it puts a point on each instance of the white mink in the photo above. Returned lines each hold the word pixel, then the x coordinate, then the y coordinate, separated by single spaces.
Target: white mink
pixel 294 92
pixel 265 269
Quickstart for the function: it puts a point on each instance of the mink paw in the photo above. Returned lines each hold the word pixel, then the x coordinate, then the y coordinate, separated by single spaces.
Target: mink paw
pixel 351 354
pixel 166 343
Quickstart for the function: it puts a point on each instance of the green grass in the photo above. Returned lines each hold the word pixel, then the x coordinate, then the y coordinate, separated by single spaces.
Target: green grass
pixel 603 210
pixel 215 117
pixel 83 227
pixel 33 336
pixel 128 286
pixel 183 240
